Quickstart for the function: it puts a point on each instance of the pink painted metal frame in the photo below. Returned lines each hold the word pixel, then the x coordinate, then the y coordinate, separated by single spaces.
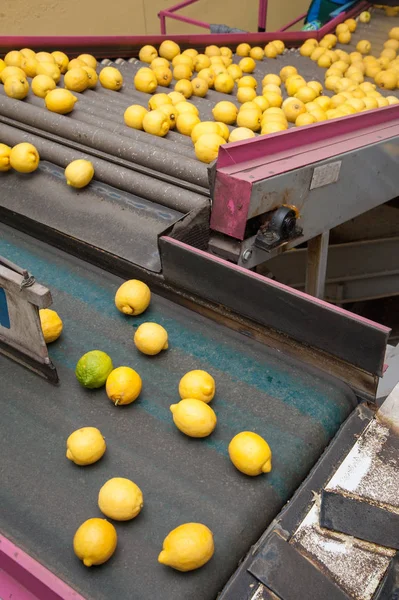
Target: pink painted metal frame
pixel 25 578
pixel 242 164
pixel 171 13
pixel 128 46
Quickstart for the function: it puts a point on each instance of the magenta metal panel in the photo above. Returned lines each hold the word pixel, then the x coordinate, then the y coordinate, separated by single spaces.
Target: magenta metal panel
pixel 243 164
pixel 36 582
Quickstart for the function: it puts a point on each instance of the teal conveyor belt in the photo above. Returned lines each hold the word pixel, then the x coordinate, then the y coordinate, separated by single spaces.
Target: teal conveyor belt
pixel 44 497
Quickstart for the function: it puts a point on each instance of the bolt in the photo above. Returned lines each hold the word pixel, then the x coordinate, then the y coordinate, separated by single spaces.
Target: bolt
pixel 246 255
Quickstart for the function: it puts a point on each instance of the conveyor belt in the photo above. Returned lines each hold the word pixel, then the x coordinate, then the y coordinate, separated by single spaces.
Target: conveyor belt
pixel 46 497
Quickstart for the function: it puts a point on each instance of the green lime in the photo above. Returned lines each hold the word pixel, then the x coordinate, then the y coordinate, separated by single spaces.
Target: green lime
pixel 93 369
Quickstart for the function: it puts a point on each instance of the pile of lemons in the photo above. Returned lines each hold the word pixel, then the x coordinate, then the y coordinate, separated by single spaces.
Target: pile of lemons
pixel 191 545
pixel 46 69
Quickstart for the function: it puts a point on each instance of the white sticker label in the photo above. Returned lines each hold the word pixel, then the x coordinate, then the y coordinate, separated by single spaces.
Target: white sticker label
pixel 325 174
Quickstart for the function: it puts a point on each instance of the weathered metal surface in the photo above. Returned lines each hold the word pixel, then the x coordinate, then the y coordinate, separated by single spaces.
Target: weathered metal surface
pixel 104 217
pixel 303 318
pixel 317 254
pixel 297 410
pixel 290 575
pixel 21 336
pixel 362 498
pixel 356 567
pixel 388 413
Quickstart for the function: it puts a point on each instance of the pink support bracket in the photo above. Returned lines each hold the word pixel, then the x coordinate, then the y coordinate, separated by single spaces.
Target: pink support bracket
pixel 25 578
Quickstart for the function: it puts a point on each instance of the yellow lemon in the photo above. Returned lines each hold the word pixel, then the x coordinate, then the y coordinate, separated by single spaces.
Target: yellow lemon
pixel 371 103
pixel 188 547
pixel 24 158
pixel 45 57
pixel 391 100
pixel 11 71
pixel 151 338
pixel 182 71
pixel 305 119
pixel 241 133
pixel 60 101
pixel 88 59
pixel 351 23
pixel 319 114
pixel 392 44
pixel 157 100
pixel 186 122
pixel 250 453
pixel 201 61
pixel 163 76
pixel 224 130
pixel 50 69
pixel 42 84
pixel 324 102
pixel 332 83
pixel 197 384
pixel 356 103
pixel 120 499
pixel 271 51
pixel 133 297
pixel 171 113
pixel 93 368
pixel 61 60
pixel 111 79
pixel 28 53
pixel 182 59
pixel 5 152
pixel 247 81
pixel 306 94
pixel 76 80
pixel 123 386
pixel 207 147
pixel 257 53
pixel 365 16
pixel 92 77
pixel 145 81
pixel 95 542
pixel 156 123
pixel 186 88
pixel 191 52
pixel 315 85
pixel 234 71
pixel 273 127
pixel 30 67
pixel 3 65
pixel 324 61
pixel 387 80
pixel 364 47
pixel 271 78
pixel 14 58
pixel 270 87
pixel 208 76
pixel 194 417
pixel 247 65
pixel 224 83
pixel 274 99
pixel 134 116
pixel 243 50
pixel 249 118
pixel 246 94
pixel 226 112
pixel 306 49
pixel 79 173
pixel 218 69
pixel 85 446
pixel 262 102
pixel 51 325
pixel 199 87
pixel 317 53
pixel 279 45
pixel 186 107
pixel 224 51
pixel 205 127
pixel 74 63
pixel 159 63
pixel 293 84
pixel 212 50
pixel 293 108
pixel 147 54
pixel 345 37
pixel 16 87
pixel 169 49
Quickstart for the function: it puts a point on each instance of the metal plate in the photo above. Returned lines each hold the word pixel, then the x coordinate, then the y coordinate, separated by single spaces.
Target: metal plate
pixel 296 409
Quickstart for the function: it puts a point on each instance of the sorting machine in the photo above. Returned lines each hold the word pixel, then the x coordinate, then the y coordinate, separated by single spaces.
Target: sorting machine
pixel 287 365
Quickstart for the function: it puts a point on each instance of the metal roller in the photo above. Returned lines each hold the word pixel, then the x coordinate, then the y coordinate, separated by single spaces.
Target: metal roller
pixel 183 168
pixel 112 120
pixel 115 175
